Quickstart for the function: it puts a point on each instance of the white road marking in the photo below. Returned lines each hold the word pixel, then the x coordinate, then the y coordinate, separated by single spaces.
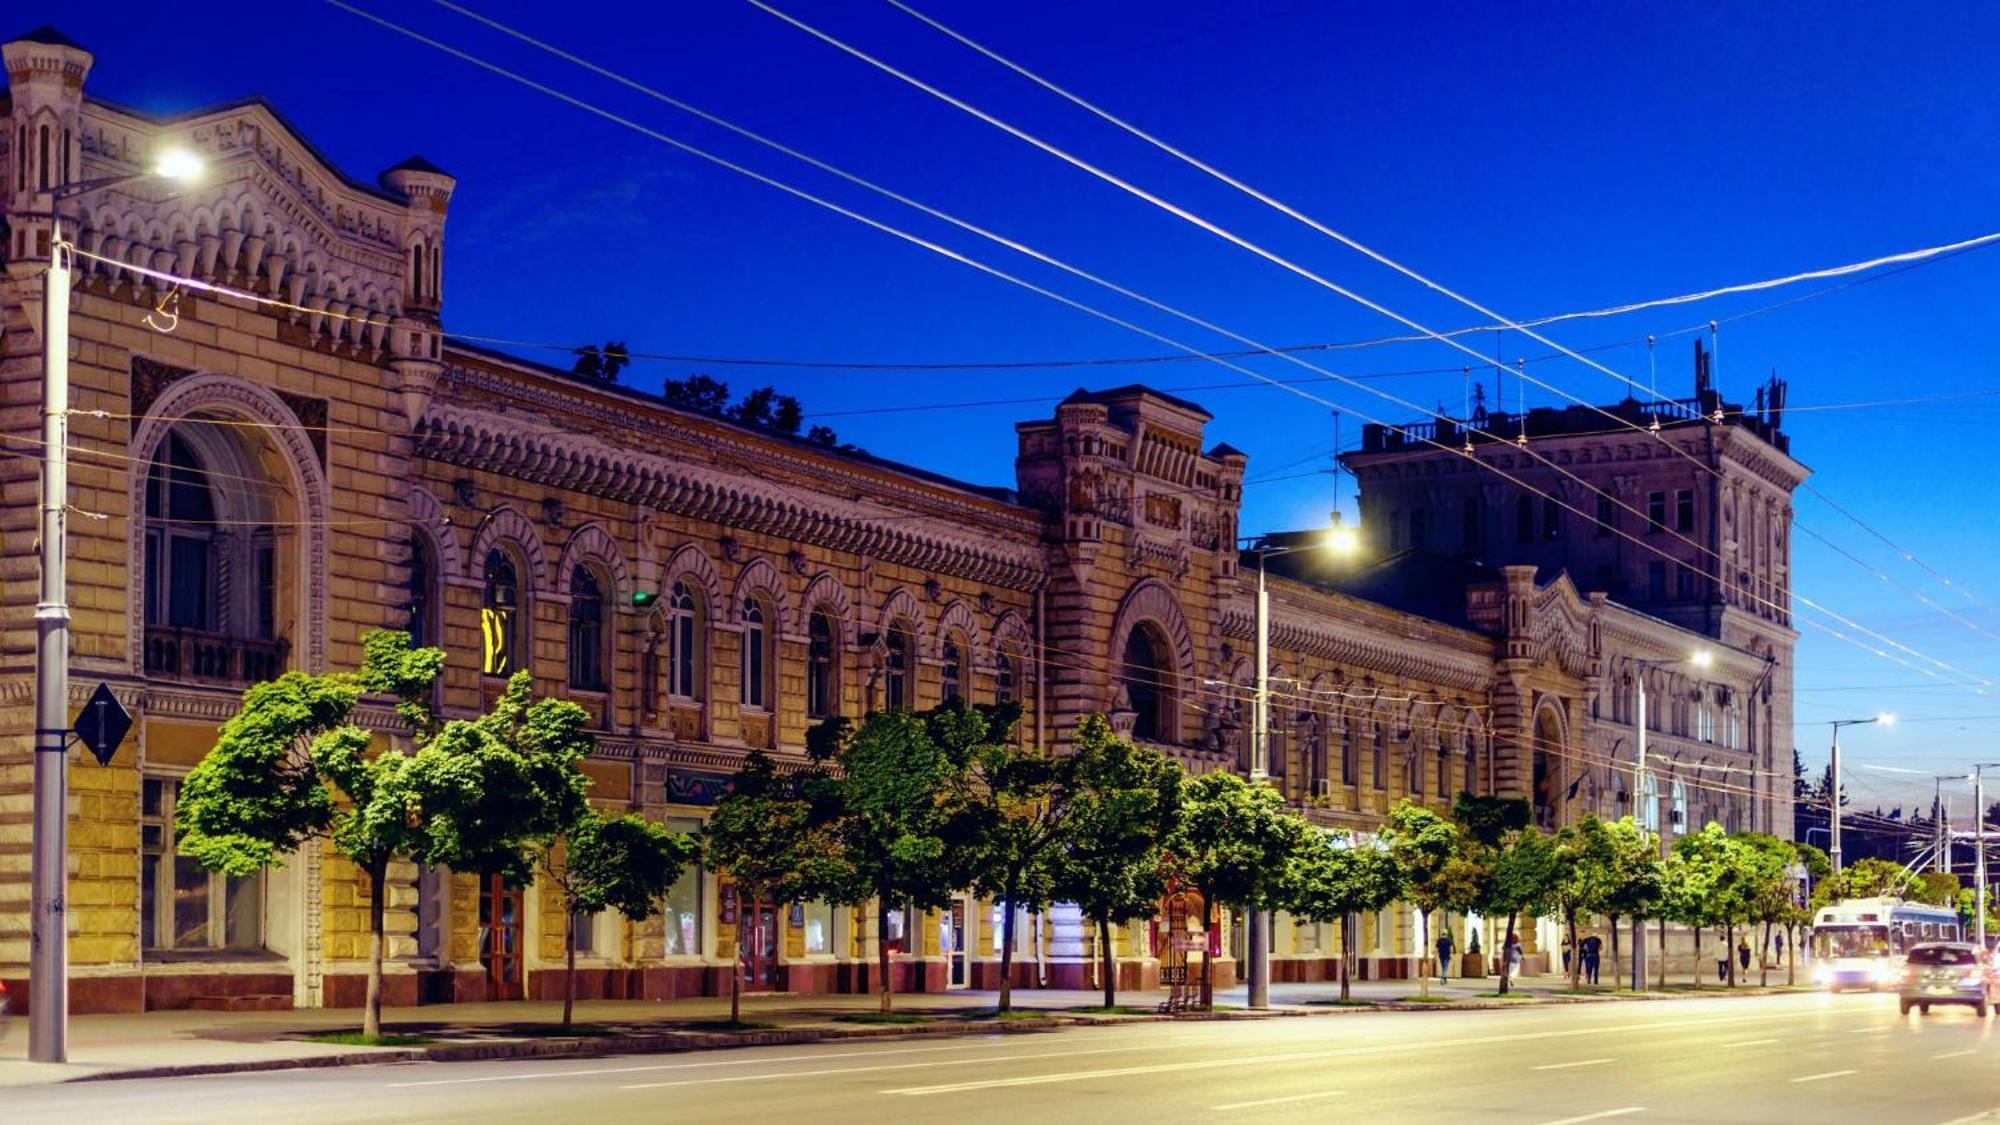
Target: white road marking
pixel 884 1066
pixel 677 1066
pixel 1868 1030
pixel 1989 1115
pixel 1332 1052
pixel 1280 1101
pixel 1828 1074
pixel 1749 1043
pixel 1567 1065
pixel 1630 1109
pixel 1956 1054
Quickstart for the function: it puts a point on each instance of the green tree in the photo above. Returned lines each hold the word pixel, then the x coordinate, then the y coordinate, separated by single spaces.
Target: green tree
pixel 1521 878
pixel 1434 867
pixel 1701 882
pixel 1587 873
pixel 1873 878
pixel 767 835
pixel 1019 804
pixel 291 767
pixel 1768 889
pixel 1798 924
pixel 1636 886
pixel 895 791
pixel 1125 803
pixel 602 364
pixel 625 863
pixel 1333 877
pixel 1939 888
pixel 1233 844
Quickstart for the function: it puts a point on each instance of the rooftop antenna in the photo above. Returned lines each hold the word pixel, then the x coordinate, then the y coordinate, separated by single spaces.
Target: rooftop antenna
pixel 1652 368
pixel 1521 388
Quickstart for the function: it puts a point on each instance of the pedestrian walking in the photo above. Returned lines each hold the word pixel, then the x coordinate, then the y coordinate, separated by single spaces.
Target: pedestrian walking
pixel 1778 948
pixel 1743 953
pixel 1513 956
pixel 1444 948
pixel 1593 956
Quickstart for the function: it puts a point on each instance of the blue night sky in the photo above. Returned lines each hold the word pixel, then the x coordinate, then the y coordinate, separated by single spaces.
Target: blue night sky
pixel 1540 158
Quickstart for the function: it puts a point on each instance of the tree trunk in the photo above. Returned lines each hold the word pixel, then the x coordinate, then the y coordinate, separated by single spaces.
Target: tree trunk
pixel 371 1019
pixel 882 950
pixel 1663 955
pixel 1105 956
pixel 1346 956
pixel 569 963
pixel 1423 953
pixel 1611 920
pixel 1791 956
pixel 1207 960
pixel 1697 957
pixel 1729 955
pixel 1007 953
pixel 736 962
pixel 1506 955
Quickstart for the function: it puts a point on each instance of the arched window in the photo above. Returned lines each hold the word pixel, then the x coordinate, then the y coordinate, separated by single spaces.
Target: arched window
pixel 586 631
pixel 1381 763
pixel 181 563
pixel 1471 764
pixel 1005 689
pixel 1350 751
pixel 900 689
pixel 1680 807
pixel 422 607
pixel 499 615
pixel 1443 765
pixel 1148 682
pixel 756 655
pixel 684 647
pixel 954 670
pixel 822 680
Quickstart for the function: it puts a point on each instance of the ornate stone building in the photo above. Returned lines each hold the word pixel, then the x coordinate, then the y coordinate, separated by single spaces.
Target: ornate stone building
pixel 257 485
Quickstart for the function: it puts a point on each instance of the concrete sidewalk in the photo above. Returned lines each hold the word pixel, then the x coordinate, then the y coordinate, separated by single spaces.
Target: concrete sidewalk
pixel 172 1042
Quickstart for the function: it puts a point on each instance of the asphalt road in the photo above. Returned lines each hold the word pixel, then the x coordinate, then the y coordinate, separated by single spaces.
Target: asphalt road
pixel 1780 1058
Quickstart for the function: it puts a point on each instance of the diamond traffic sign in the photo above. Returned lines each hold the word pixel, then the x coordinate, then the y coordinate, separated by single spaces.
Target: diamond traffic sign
pixel 103 724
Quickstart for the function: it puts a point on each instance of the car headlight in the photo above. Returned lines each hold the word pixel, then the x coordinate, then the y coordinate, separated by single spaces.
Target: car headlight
pixel 1885 973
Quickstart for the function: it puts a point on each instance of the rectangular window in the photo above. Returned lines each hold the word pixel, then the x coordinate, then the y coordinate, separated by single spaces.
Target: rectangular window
pixel 1684 581
pixel 1656 509
pixel 181 906
pixel 683 904
pixel 1684 509
pixel 819 927
pixel 584 925
pixel 1656 580
pixel 187 595
pixel 1350 758
pixel 1607 516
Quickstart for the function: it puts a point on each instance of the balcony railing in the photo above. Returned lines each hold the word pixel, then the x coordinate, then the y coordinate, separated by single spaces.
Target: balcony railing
pixel 195 654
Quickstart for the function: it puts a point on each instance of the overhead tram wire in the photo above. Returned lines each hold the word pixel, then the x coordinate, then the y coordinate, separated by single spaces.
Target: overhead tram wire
pixel 1190 217
pixel 1077 272
pixel 1526 328
pixel 1976 683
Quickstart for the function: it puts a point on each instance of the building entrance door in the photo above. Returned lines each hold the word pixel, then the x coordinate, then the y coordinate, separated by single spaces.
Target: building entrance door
pixel 500 918
pixel 757 945
pixel 954 936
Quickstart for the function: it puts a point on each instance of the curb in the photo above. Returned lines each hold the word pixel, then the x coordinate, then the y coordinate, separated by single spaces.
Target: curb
pixel 680 1042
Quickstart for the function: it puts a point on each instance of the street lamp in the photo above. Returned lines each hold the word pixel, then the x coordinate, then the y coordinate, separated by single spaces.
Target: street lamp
pixel 1700 658
pixel 1338 539
pixel 1979 851
pixel 48 952
pixel 1833 787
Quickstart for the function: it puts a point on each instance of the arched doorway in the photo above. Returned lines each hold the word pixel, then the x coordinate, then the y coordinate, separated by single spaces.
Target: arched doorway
pixel 1145 671
pixel 1550 755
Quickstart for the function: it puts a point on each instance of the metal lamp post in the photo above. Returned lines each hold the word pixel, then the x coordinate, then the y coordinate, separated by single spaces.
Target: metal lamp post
pixel 1700 659
pixel 1341 540
pixel 1979 850
pixel 1833 786
pixel 48 942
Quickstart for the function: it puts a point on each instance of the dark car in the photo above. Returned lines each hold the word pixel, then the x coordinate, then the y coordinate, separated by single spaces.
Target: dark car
pixel 1946 972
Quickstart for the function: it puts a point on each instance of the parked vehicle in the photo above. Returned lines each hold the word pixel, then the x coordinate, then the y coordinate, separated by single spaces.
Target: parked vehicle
pixel 1946 973
pixel 1862 942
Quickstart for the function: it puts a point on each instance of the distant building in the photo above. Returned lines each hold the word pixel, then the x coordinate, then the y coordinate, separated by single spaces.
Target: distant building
pixel 276 481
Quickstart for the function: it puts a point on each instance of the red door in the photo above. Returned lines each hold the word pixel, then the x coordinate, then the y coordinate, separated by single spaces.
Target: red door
pixel 757 945
pixel 500 917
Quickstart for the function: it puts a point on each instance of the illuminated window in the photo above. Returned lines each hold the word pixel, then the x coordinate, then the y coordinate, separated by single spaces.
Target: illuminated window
pixel 499 610
pixel 756 655
pixel 684 635
pixel 586 631
pixel 822 682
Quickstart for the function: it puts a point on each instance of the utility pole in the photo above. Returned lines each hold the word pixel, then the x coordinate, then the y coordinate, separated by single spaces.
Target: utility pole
pixel 48 937
pixel 1259 939
pixel 1833 784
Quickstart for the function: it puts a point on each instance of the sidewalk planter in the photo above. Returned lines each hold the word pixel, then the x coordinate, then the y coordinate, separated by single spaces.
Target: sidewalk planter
pixel 1472 965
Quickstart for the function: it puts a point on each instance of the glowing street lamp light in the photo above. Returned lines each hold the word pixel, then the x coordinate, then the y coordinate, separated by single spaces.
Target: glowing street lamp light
pixel 1833 788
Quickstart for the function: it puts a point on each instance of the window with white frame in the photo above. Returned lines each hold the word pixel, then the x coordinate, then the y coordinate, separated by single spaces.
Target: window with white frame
pixel 181 906
pixel 684 642
pixel 756 655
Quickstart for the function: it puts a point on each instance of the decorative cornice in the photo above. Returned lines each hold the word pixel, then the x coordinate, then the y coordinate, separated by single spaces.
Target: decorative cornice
pixel 1393 645
pixel 935 540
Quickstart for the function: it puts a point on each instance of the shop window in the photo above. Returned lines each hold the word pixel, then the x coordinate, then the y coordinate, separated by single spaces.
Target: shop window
pixel 181 906
pixel 683 904
pixel 818 927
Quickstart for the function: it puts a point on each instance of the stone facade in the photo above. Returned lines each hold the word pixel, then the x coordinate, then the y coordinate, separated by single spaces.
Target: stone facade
pixel 256 486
